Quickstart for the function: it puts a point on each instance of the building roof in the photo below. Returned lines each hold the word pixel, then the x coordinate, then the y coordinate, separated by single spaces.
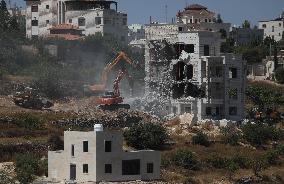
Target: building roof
pixel 64 27
pixel 195 7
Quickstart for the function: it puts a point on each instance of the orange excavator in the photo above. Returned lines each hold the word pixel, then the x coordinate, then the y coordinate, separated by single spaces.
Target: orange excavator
pixel 112 100
pixel 99 88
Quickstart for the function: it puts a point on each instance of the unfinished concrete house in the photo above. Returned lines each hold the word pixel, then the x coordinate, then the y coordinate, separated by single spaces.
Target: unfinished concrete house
pixel 91 16
pixel 99 156
pixel 187 72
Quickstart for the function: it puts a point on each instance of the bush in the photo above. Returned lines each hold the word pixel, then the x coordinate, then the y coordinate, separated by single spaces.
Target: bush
pixel 185 158
pixel 257 165
pixel 201 139
pixel 29 121
pixel 5 178
pixel 146 136
pixel 259 134
pixel 241 161
pixel 231 136
pixel 26 166
pixel 217 162
pixel 279 75
pixel 272 157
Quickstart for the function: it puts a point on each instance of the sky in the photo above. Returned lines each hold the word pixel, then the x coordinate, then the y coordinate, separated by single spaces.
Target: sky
pixel 233 11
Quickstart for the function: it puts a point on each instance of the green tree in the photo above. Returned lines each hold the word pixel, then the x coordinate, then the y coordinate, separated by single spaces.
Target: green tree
pixel 146 136
pixel 185 158
pixel 246 24
pixel 257 165
pixel 26 166
pixel 201 139
pixel 279 75
pixel 4 16
pixel 219 19
pixel 232 168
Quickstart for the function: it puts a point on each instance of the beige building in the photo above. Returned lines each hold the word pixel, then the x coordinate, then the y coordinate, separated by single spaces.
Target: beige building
pixel 273 28
pixel 198 17
pixel 92 16
pixel 98 156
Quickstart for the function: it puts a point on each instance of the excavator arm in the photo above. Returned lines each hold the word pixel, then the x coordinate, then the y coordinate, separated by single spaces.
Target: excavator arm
pixel 104 77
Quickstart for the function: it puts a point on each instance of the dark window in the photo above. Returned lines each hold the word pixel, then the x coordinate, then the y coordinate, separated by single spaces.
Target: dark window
pixel 189 71
pixel 34 22
pixel 179 28
pixel 174 110
pixel 187 109
pixel 205 20
pixel 280 25
pixel 81 21
pixel 108 146
pixel 206 50
pixel 272 28
pixel 47 21
pixel 217 111
pixel 263 25
pixel 189 48
pixel 72 172
pixel 233 73
pixel 131 167
pixel 196 21
pixel 72 150
pixel 233 111
pixel 47 6
pixel 34 8
pixel 208 111
pixel 85 146
pixel 98 20
pixel 124 21
pixel 150 167
pixel 85 168
pixel 70 21
pixel 108 168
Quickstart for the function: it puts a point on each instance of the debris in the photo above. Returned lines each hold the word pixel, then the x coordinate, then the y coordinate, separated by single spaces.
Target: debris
pixel 31 100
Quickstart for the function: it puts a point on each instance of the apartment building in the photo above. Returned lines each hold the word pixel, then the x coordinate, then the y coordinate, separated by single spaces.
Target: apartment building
pixel 99 156
pixel 92 17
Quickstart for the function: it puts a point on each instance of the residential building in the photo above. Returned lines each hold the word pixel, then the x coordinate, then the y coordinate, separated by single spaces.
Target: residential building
pixel 273 28
pixel 136 32
pixel 98 156
pixel 246 36
pixel 198 17
pixel 89 15
pixel 188 74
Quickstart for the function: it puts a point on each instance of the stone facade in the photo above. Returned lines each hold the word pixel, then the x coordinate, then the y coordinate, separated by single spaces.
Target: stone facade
pixel 274 28
pixel 98 156
pixel 91 16
pixel 189 73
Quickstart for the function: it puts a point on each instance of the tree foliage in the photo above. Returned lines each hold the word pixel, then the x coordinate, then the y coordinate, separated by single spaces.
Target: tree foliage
pixel 26 166
pixel 201 139
pixel 146 136
pixel 246 24
pixel 279 75
pixel 185 158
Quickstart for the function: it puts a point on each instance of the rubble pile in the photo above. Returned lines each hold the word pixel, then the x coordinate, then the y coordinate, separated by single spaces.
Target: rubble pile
pixel 118 119
pixel 30 99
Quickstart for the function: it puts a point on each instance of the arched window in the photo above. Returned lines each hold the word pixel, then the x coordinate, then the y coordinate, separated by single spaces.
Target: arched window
pixel 81 21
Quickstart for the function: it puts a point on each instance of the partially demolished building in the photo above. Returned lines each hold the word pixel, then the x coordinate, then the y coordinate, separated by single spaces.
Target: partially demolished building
pixel 187 73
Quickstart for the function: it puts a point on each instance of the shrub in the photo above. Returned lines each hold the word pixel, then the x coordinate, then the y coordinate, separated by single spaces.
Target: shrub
pixel 279 75
pixel 217 162
pixel 29 121
pixel 201 139
pixel 26 166
pixel 272 157
pixel 230 136
pixel 259 134
pixel 185 158
pixel 257 165
pixel 241 161
pixel 146 136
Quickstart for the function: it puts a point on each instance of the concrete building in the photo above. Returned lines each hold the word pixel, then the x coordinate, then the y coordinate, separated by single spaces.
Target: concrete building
pixel 273 28
pixel 188 73
pixel 98 156
pixel 198 17
pixel 92 16
pixel 136 32
pixel 245 36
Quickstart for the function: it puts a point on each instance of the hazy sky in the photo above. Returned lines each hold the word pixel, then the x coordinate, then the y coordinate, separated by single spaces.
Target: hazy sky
pixel 234 11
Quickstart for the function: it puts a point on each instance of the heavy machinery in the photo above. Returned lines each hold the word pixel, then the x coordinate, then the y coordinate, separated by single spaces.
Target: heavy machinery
pixel 100 88
pixel 112 100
